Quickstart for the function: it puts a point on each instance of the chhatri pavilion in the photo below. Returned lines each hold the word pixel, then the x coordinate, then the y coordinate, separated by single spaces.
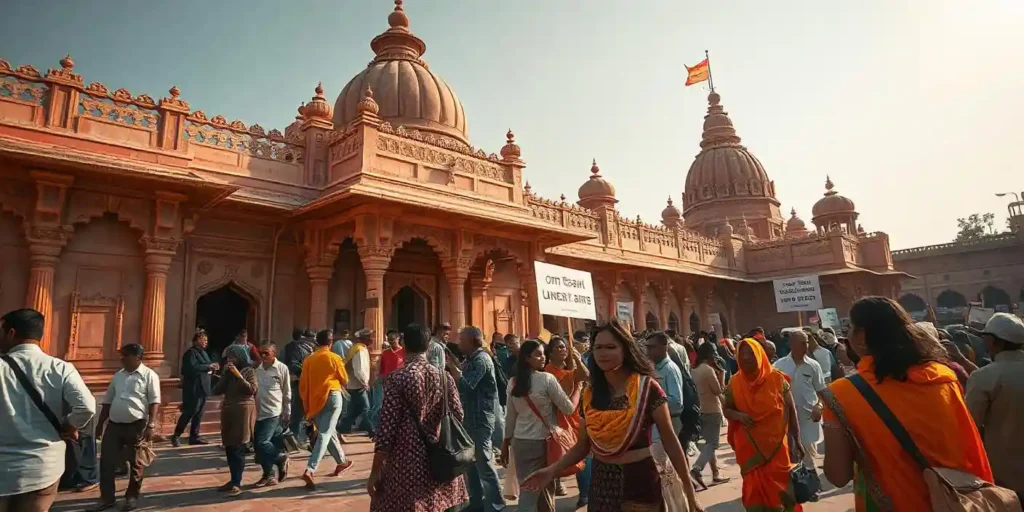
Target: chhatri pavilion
pixel 132 219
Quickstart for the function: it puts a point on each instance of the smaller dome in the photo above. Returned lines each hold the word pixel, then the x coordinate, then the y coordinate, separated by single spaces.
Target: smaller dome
pixel 671 215
pixel 368 105
pixel 511 150
pixel 745 230
pixel 318 108
pixel 597 189
pixel 795 225
pixel 832 203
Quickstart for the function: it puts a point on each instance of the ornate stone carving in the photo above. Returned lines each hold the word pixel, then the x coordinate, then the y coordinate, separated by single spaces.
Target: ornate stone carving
pixel 375 251
pixel 155 244
pixel 205 267
pixel 65 73
pixel 118 114
pixel 223 136
pixel 97 304
pixel 343 148
pixel 439 239
pixel 476 166
pixel 22 92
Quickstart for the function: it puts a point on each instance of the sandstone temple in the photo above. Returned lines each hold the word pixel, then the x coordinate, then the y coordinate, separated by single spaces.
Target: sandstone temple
pixel 125 218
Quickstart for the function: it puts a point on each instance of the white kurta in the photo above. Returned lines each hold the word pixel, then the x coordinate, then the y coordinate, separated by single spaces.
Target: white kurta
pixel 805 381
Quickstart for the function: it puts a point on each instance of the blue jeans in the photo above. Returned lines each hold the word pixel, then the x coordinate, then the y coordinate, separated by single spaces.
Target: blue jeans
pixel 583 479
pixel 327 441
pixel 358 406
pixel 236 463
pixel 266 451
pixel 376 401
pixel 482 478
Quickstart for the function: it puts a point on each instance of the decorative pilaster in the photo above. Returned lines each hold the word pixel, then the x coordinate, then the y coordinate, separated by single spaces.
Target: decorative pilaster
pixel 375 260
pixel 639 307
pixel 457 272
pixel 478 285
pixel 534 322
pixel 663 310
pixel 44 245
pixel 319 279
pixel 159 252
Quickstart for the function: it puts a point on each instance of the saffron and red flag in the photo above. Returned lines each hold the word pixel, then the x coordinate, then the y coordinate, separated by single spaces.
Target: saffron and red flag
pixel 697 74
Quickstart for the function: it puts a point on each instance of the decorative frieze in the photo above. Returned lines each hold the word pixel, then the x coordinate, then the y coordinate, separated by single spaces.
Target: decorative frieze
pixel 478 166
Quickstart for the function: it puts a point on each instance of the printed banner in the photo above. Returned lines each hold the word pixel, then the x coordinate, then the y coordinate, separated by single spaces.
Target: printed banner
pixel 565 292
pixel 797 294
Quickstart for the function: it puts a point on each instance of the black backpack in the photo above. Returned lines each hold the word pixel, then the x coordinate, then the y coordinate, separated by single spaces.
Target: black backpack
pixel 690 417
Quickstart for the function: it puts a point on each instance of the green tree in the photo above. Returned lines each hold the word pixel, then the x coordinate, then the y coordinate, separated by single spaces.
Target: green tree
pixel 976 226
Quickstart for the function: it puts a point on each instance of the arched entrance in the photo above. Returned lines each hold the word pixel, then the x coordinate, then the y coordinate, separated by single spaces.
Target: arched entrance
pixel 223 313
pixel 993 297
pixel 951 299
pixel 652 322
pixel 673 322
pixel 694 322
pixel 408 306
pixel 913 303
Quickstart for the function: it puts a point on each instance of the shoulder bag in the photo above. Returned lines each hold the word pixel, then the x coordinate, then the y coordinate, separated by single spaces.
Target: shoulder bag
pixel 454 452
pixel 72 450
pixel 560 441
pixel 950 490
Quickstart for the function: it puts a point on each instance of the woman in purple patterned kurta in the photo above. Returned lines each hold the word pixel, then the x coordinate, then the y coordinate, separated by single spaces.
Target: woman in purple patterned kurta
pixel 400 480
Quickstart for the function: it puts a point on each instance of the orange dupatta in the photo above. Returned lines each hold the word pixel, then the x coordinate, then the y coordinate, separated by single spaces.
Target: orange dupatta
pixel 762 450
pixel 611 431
pixel 569 421
pixel 930 405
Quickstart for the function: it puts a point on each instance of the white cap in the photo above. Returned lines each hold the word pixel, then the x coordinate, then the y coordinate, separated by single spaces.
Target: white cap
pixel 1005 327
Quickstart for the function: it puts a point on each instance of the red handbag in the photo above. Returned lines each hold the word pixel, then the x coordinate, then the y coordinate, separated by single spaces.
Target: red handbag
pixel 559 442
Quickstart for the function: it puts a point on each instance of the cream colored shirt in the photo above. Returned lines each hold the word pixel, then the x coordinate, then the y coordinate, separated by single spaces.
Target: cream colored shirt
pixel 995 395
pixel 274 390
pixel 547 395
pixel 709 389
pixel 131 393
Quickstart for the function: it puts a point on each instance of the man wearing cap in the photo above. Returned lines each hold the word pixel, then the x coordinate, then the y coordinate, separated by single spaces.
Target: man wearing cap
pixel 994 397
pixel 131 404
pixel 357 366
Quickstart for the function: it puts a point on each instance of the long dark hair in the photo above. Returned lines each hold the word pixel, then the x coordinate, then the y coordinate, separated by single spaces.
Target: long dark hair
pixel 523 368
pixel 892 338
pixel 634 359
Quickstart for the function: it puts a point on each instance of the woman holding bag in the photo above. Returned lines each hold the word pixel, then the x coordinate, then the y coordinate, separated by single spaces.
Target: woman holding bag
pixel 534 396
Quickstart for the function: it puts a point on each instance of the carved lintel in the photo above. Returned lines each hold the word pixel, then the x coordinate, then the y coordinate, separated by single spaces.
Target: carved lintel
pixel 154 244
pixel 377 257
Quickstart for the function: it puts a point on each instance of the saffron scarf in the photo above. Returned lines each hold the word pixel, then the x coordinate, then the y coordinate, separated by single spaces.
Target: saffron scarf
pixel 762 450
pixel 930 405
pixel 612 432
pixel 565 380
pixel 356 348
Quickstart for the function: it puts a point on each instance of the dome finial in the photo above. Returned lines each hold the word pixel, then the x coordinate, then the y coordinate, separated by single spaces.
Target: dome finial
pixel 594 169
pixel 792 212
pixel 368 104
pixel 670 200
pixel 66 63
pixel 319 89
pixel 398 18
pixel 718 128
pixel 318 108
pixel 510 151
pixel 829 186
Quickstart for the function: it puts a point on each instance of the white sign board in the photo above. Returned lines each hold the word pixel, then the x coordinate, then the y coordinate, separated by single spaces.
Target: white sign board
pixel 797 294
pixel 565 292
pixel 829 318
pixel 980 315
pixel 624 312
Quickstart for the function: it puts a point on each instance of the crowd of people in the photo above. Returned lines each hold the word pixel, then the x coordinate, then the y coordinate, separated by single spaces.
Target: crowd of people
pixel 620 412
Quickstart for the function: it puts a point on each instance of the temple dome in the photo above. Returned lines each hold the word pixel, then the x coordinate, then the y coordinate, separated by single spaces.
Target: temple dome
pixel 596 190
pixel 832 204
pixel 724 169
pixel 671 215
pixel 405 89
pixel 795 225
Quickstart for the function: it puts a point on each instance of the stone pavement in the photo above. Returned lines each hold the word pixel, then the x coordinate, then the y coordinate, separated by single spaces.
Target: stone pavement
pixel 186 478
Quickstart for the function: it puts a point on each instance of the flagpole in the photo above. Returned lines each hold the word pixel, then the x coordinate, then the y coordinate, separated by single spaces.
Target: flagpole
pixel 711 81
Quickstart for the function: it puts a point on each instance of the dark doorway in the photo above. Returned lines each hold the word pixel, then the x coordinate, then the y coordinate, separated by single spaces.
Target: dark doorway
pixel 223 313
pixel 673 323
pixel 652 322
pixel 408 307
pixel 694 322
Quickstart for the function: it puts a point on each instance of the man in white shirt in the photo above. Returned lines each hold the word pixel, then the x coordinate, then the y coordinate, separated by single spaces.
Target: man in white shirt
pixel 131 404
pixel 357 366
pixel 31 449
pixel 272 398
pixel 342 344
pixel 806 381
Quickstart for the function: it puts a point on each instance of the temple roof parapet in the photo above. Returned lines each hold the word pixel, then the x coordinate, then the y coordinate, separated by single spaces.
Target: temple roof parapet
pixel 981 244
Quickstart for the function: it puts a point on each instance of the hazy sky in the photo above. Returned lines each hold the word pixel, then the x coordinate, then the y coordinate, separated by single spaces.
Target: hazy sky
pixel 912 106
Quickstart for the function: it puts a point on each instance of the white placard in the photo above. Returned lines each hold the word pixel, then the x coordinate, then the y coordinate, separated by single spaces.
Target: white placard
pixel 829 318
pixel 979 316
pixel 801 293
pixel 624 312
pixel 565 292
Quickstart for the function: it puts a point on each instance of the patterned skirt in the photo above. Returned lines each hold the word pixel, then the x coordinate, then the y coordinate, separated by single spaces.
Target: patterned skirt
pixel 634 487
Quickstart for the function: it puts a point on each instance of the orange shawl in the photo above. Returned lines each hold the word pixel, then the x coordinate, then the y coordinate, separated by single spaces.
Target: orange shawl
pixel 930 405
pixel 565 380
pixel 612 432
pixel 762 450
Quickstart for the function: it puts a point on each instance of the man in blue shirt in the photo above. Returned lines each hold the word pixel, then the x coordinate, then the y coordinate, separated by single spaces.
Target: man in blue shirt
pixel 669 376
pixel 478 390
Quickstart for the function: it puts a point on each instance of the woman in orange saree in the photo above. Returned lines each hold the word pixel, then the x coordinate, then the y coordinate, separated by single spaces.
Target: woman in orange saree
pixel 762 417
pixel 902 365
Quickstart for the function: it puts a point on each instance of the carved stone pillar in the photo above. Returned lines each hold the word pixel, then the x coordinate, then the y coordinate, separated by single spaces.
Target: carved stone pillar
pixel 703 309
pixel 44 245
pixel 159 252
pixel 375 260
pixel 319 280
pixel 457 272
pixel 531 300
pixel 639 310
pixel 478 306
pixel 663 310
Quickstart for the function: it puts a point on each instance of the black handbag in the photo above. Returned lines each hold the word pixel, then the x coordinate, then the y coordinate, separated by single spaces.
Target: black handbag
pixel 71 449
pixel 806 483
pixel 454 452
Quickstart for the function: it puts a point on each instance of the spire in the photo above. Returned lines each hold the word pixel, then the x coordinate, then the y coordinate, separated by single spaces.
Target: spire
pixel 595 170
pixel 397 42
pixel 829 186
pixel 510 152
pixel 718 129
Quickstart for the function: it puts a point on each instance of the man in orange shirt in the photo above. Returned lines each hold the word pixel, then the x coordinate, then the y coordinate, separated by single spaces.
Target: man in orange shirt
pixel 323 377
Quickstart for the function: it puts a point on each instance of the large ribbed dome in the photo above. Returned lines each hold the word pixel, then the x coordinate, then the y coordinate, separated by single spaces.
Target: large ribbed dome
pixel 724 168
pixel 408 93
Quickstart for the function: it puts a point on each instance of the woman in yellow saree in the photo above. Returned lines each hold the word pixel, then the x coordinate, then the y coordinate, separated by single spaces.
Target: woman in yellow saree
pixel 762 417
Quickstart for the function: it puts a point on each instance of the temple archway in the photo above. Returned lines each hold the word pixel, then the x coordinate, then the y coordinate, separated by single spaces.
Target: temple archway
pixel 409 306
pixel 223 313
pixel 951 299
pixel 992 296
pixel 694 322
pixel 651 321
pixel 673 322
pixel 912 303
